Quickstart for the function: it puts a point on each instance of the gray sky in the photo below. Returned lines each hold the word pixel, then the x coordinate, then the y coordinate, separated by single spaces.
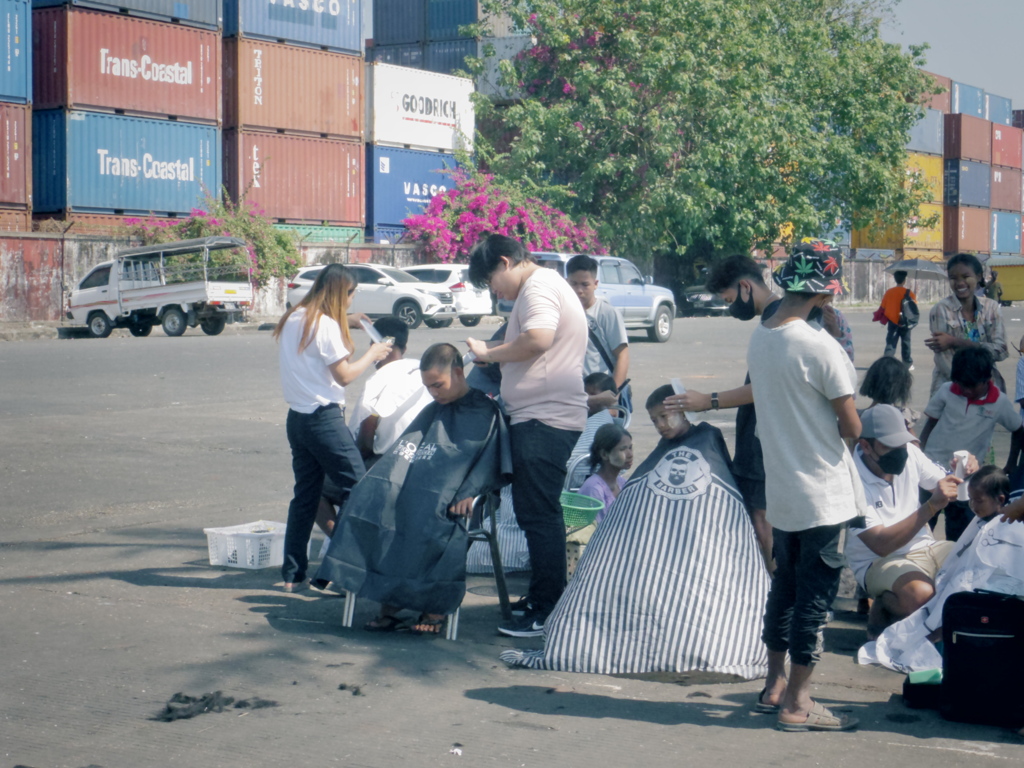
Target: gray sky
pixel 972 41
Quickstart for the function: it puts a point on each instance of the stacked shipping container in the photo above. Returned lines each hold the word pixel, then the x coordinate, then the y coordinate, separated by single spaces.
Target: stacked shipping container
pixel 294 110
pixel 15 114
pixel 415 120
pixel 128 108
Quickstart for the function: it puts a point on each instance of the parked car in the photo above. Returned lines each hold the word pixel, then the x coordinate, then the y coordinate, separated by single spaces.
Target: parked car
pixel 642 304
pixel 382 290
pixel 178 285
pixel 472 304
pixel 699 301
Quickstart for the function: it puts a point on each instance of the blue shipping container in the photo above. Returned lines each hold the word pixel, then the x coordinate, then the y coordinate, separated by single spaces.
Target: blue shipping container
pixel 1005 232
pixel 386 235
pixel 398 22
pixel 400 182
pixel 967 100
pixel 331 24
pixel 410 55
pixel 99 163
pixel 448 56
pixel 998 109
pixel 968 183
pixel 195 13
pixel 927 136
pixel 444 17
pixel 15 53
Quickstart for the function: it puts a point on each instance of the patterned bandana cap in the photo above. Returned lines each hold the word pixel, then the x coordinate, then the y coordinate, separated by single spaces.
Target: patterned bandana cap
pixel 814 266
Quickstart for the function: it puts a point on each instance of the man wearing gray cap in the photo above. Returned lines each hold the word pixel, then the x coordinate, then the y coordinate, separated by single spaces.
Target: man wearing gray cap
pixel 891 549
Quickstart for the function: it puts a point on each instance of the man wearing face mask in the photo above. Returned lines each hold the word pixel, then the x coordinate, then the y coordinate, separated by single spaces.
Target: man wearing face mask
pixel 891 549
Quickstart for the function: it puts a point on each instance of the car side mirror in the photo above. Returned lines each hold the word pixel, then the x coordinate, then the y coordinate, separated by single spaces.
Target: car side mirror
pixel 385 281
pixel 649 280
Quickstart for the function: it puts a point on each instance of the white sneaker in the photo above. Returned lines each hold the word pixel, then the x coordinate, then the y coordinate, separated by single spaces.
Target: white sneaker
pixel 911 367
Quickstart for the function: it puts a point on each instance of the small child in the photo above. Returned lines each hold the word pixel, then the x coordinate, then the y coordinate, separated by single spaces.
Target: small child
pixel 602 392
pixel 670 424
pixel 962 415
pixel 610 455
pixel 988 490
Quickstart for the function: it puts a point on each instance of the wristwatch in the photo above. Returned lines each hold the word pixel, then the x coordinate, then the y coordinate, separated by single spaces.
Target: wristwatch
pixel 714 400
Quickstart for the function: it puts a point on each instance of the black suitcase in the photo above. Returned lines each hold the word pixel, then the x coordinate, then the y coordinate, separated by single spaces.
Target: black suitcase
pixel 983 658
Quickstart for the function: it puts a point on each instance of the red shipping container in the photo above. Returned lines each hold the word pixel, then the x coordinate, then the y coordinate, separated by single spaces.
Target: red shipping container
pixel 1007 144
pixel 1006 189
pixel 16 158
pixel 968 138
pixel 966 229
pixel 15 220
pixel 297 179
pixel 273 87
pixel 124 64
pixel 939 101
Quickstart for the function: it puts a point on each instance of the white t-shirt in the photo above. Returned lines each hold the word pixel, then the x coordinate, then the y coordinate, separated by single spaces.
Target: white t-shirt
pixel 963 427
pixel 305 378
pixel 810 478
pixel 548 387
pixel 889 504
pixel 395 393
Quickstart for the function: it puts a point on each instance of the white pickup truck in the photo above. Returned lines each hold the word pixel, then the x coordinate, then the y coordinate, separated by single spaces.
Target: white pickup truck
pixel 204 282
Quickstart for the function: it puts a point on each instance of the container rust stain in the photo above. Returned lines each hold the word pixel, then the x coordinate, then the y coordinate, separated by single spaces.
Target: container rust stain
pixel 30 279
pixel 298 90
pixel 295 179
pixel 16 158
pixel 106 61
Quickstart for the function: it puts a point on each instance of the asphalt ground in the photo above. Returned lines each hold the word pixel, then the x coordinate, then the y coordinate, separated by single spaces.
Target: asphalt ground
pixel 116 453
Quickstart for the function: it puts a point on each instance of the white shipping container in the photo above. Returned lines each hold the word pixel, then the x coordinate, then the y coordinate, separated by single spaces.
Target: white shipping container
pixel 414 108
pixel 489 81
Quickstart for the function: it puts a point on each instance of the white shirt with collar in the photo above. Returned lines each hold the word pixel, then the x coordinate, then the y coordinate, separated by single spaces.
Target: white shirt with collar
pixel 889 504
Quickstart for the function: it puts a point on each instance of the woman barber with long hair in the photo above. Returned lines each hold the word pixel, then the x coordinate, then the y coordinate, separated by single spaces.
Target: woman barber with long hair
pixel 317 362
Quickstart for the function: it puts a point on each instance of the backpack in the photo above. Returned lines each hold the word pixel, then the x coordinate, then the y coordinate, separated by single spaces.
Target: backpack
pixel 910 315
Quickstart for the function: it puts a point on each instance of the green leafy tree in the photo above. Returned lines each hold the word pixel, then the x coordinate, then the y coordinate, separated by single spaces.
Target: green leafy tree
pixel 678 123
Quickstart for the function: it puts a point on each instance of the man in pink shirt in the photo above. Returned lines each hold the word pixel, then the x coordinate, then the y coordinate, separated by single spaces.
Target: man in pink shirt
pixel 541 363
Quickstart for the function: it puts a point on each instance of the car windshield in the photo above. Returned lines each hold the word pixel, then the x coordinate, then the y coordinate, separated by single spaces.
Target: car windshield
pixel 399 276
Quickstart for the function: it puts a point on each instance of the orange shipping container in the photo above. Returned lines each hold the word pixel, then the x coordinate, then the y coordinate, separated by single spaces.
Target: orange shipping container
pixel 1006 189
pixel 16 158
pixel 124 64
pixel 15 220
pixel 296 179
pixel 966 229
pixel 968 138
pixel 273 87
pixel 939 101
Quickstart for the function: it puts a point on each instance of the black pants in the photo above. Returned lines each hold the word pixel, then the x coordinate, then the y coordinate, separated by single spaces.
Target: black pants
pixel 321 446
pixel 539 456
pixel 807 569
pixel 894 333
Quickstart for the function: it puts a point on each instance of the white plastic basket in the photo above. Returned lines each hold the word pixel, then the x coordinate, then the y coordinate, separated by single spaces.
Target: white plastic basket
pixel 252 545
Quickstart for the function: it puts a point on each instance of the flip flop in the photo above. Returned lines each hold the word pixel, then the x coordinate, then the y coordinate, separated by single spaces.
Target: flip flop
pixel 765 709
pixel 819 719
pixel 433 624
pixel 384 624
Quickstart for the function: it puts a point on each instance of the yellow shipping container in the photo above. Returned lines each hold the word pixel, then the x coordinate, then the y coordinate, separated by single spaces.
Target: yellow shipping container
pixel 925 255
pixel 1011 275
pixel 932 168
pixel 912 236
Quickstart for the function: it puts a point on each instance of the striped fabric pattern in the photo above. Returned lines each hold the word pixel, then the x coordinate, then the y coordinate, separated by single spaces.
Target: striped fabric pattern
pixel 665 585
pixel 511 542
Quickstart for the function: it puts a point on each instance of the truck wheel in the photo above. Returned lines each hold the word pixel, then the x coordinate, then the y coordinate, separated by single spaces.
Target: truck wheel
pixel 409 313
pixel 140 329
pixel 212 325
pixel 431 323
pixel 470 320
pixel 174 323
pixel 99 325
pixel 661 331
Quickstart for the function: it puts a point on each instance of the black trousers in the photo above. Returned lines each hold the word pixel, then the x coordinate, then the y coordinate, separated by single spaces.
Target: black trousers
pixel 895 333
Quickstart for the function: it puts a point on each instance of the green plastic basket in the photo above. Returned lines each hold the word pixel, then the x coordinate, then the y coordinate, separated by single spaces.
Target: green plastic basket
pixel 578 510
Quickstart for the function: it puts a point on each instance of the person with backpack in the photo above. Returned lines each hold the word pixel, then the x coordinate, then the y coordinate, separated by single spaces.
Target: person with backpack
pixel 899 321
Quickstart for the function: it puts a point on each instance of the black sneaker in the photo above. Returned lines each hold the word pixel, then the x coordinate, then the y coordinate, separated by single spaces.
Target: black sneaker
pixel 529 625
pixel 520 606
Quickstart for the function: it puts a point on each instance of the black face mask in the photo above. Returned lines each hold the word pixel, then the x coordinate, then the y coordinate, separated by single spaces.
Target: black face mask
pixel 815 315
pixel 895 461
pixel 743 310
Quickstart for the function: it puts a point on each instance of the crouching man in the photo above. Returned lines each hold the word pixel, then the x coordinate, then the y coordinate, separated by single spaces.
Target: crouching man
pixel 891 549
pixel 402 540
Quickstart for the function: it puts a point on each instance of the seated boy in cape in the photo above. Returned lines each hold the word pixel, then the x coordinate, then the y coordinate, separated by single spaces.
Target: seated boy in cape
pixel 401 540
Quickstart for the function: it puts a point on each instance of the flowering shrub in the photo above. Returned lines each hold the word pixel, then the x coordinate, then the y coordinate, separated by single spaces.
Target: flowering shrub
pixel 455 220
pixel 271 252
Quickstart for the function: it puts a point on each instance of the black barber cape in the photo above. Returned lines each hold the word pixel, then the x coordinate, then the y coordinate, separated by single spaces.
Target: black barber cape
pixel 395 542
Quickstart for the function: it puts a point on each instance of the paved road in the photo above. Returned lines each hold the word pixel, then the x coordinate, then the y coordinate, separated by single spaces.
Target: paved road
pixel 114 454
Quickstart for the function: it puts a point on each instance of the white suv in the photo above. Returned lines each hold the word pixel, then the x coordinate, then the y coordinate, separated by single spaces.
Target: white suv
pixel 382 291
pixel 472 304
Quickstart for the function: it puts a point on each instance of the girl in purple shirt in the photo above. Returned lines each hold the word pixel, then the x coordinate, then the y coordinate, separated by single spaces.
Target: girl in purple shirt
pixel 610 454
